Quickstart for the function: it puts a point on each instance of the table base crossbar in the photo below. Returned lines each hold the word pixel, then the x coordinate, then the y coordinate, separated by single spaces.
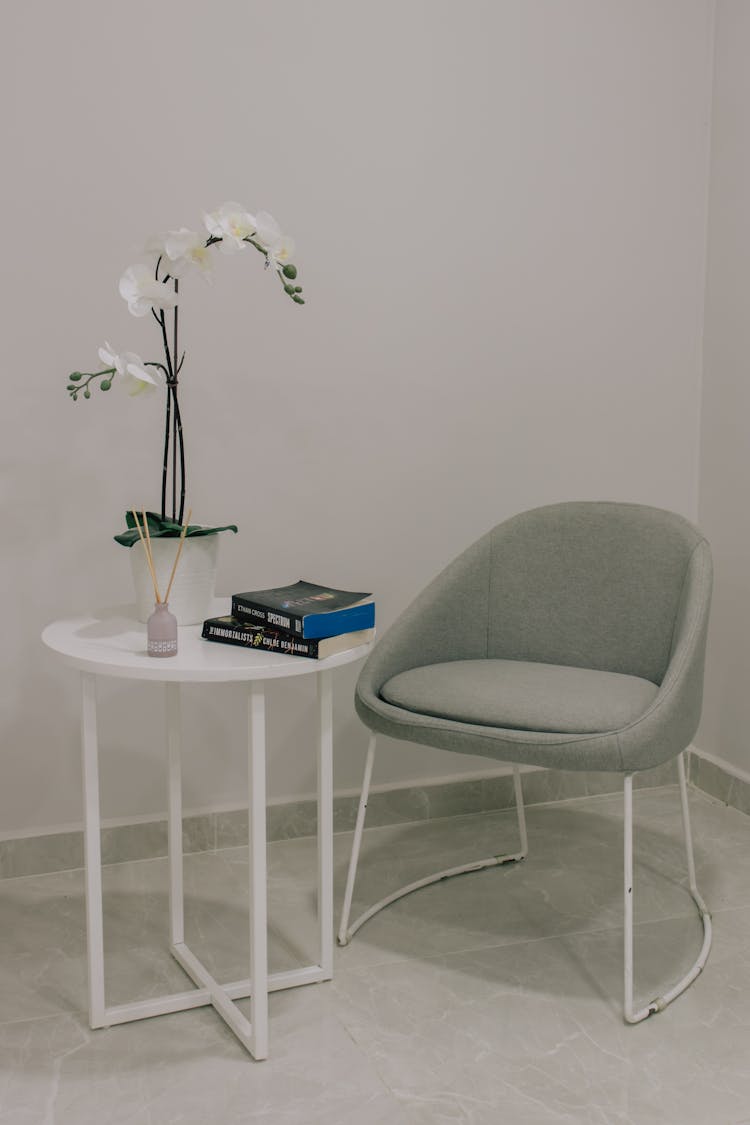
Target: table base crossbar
pixel 209 991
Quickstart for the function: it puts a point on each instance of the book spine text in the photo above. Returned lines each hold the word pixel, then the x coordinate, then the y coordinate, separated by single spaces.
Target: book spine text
pixel 259 638
pixel 259 615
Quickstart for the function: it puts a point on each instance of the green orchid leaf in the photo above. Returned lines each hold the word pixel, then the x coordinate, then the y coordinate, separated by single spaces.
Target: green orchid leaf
pixel 159 528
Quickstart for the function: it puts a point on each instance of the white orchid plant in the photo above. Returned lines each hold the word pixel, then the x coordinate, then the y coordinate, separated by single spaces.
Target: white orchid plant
pixel 154 288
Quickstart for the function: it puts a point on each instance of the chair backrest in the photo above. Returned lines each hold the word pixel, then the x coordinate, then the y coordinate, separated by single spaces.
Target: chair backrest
pixel 592 584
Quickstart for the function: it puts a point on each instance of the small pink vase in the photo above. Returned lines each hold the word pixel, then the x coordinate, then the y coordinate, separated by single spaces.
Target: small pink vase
pixel 161 631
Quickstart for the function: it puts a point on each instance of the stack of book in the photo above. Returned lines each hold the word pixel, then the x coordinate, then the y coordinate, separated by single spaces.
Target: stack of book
pixel 303 619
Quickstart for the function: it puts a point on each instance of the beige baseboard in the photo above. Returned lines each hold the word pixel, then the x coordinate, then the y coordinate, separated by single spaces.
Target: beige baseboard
pixel 720 779
pixel 208 831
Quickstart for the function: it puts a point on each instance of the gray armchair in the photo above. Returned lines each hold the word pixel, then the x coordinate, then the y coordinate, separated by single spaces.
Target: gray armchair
pixel 572 637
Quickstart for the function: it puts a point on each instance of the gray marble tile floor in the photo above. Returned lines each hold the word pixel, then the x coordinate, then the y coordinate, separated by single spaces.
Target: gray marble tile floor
pixel 491 999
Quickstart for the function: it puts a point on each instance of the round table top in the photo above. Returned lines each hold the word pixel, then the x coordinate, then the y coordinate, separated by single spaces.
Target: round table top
pixel 111 642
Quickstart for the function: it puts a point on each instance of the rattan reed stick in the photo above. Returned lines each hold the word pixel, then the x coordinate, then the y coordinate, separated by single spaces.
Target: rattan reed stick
pixel 147 548
pixel 177 556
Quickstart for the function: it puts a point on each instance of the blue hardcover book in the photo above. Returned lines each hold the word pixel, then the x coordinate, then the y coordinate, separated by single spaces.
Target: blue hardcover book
pixel 306 610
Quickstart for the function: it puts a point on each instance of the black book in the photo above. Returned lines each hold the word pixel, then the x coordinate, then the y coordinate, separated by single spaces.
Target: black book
pixel 306 610
pixel 229 630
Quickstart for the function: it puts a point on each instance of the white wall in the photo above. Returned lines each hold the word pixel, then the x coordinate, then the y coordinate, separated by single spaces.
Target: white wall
pixel 500 216
pixel 724 507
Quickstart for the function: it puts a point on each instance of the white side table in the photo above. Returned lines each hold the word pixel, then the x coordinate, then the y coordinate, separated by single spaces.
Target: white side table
pixel 111 642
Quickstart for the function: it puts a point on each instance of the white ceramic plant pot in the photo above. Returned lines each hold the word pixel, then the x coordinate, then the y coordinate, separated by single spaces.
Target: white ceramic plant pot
pixel 194 584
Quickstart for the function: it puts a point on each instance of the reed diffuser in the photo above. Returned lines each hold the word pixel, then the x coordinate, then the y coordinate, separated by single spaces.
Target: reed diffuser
pixel 161 627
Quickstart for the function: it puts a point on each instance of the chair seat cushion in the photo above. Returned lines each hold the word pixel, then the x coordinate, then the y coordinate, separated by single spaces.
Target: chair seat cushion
pixel 520 695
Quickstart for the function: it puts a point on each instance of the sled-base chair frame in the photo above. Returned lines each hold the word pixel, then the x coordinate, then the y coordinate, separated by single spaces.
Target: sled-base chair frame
pixel 348 929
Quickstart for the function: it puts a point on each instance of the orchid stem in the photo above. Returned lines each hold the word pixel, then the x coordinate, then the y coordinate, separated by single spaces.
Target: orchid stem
pixel 181 445
pixel 168 427
pixel 166 456
pixel 174 453
pixel 177 432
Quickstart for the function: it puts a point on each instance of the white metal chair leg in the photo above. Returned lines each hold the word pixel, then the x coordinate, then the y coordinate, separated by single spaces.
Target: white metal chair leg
pixel 347 931
pixel 660 1002
pixel 521 814
pixel 344 933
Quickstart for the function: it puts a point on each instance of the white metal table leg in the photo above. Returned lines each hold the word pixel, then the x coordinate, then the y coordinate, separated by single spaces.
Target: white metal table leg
pixel 325 823
pixel 258 870
pixel 174 816
pixel 92 852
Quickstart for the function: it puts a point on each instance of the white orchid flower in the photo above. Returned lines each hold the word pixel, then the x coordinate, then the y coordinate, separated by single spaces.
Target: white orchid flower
pixel 186 249
pixel 281 252
pixel 278 246
pixel 269 231
pixel 134 377
pixel 143 292
pixel 155 246
pixel 232 224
